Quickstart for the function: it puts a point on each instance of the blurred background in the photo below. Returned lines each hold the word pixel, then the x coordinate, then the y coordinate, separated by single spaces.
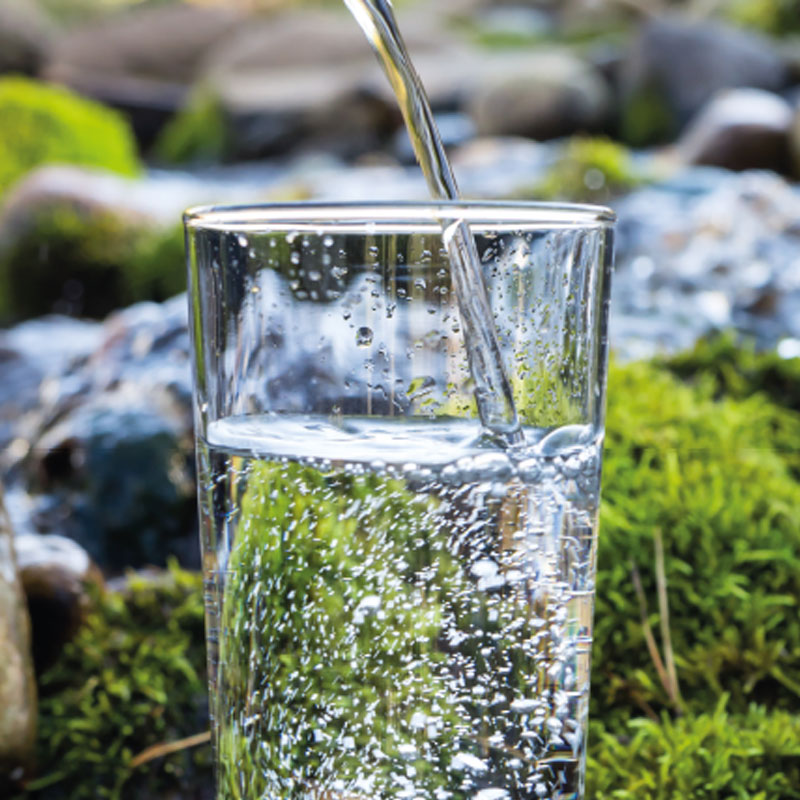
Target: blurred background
pixel 116 115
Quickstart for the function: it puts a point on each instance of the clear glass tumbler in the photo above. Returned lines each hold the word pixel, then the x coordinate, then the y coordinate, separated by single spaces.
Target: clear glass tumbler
pixel 398 606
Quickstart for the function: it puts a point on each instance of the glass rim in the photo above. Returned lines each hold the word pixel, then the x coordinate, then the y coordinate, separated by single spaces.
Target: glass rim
pixel 378 216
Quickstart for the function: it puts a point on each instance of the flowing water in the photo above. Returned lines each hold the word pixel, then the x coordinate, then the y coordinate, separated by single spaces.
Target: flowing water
pixel 398 612
pixel 493 391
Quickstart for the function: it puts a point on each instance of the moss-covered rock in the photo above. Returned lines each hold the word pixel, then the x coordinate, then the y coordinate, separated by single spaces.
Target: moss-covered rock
pixel 41 124
pixel 134 677
pixel 87 260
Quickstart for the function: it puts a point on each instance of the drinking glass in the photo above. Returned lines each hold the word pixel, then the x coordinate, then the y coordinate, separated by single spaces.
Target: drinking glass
pixel 399 604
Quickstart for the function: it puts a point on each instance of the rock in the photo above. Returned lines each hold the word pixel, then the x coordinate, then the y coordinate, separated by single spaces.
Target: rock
pixel 740 129
pixel 82 242
pixel 17 685
pixel 109 461
pixel 89 190
pixel 55 572
pixel 29 353
pixel 708 250
pixel 161 43
pixel 542 96
pixel 26 34
pixel 794 140
pixel 323 108
pixel 141 61
pixel 307 80
pixel 675 66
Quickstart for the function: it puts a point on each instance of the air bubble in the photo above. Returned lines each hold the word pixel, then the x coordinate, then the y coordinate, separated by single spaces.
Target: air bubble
pixel 364 336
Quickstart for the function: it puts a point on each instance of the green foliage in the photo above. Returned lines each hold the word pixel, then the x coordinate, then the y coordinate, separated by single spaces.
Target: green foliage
pixel 41 124
pixel 87 262
pixel 590 169
pixel 134 677
pixel 754 755
pixel 198 133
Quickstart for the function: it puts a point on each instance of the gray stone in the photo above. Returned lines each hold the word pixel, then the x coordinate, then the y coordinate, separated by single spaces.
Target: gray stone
pixel 679 65
pixel 161 43
pixel 740 129
pixel 25 35
pixel 29 353
pixel 541 96
pixel 17 685
pixel 311 81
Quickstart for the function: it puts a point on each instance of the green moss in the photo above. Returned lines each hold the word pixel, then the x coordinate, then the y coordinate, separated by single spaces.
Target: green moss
pixel 738 370
pixel 647 119
pixel 134 677
pixel 754 755
pixel 86 262
pixel 775 17
pixel 41 124
pixel 716 478
pixel 590 169
pixel 198 133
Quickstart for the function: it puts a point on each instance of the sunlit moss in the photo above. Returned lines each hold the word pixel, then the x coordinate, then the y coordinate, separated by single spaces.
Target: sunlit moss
pixel 589 169
pixel 41 124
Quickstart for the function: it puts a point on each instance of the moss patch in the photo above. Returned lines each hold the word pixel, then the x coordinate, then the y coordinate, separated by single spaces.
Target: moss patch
pixel 41 124
pixel 197 134
pixel 647 119
pixel 134 677
pixel 590 169
pixel 87 263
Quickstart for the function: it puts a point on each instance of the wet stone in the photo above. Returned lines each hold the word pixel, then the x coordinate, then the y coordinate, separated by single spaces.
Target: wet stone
pixel 741 129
